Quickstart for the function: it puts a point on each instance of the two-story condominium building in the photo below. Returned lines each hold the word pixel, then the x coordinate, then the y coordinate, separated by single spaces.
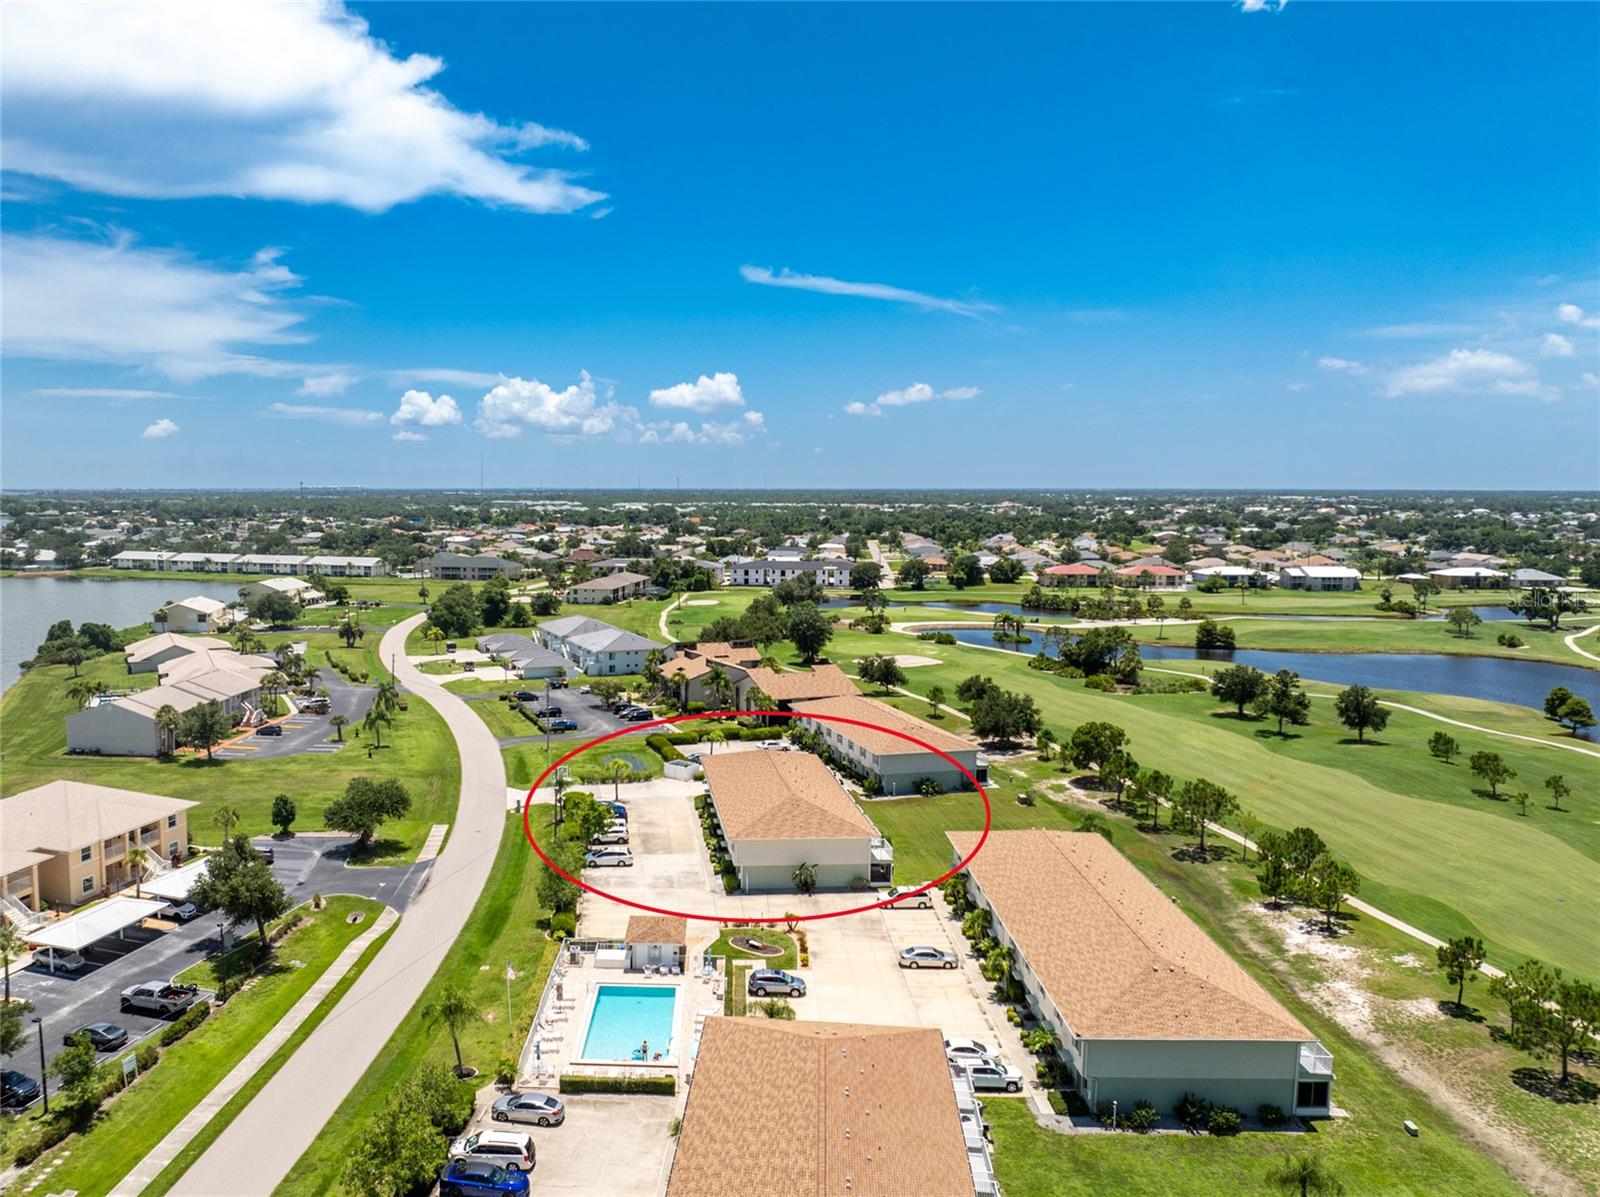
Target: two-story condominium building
pixel 896 764
pixel 211 563
pixel 271 563
pixel 784 1109
pixel 779 810
pixel 347 567
pixel 140 559
pixel 1158 577
pixel 460 567
pixel 66 842
pixel 769 571
pixel 1146 1005
pixel 612 588
pixel 1318 577
pixel 693 667
pixel 596 648
pixel 296 590
pixel 787 688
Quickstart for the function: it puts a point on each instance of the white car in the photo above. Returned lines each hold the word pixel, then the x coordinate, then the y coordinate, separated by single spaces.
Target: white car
pixel 900 896
pixel 511 1150
pixel 608 858
pixel 965 1049
pixel 181 912
pixel 991 1074
pixel 58 960
pixel 611 837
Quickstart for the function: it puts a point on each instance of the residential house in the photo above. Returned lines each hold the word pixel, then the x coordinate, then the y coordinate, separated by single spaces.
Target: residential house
pixel 1153 577
pixel 1145 1004
pixel 1077 574
pixel 1527 579
pixel 612 588
pixel 1468 577
pixel 692 667
pixel 596 648
pixel 295 589
pixel 1232 575
pixel 809 1108
pixel 67 842
pixel 198 615
pixel 896 764
pixel 779 810
pixel 1319 577
pixel 523 657
pixel 786 688
pixel 459 567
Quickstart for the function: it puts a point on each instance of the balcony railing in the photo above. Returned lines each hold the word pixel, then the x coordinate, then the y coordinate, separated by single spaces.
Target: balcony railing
pixel 1315 1060
pixel 882 851
pixel 114 849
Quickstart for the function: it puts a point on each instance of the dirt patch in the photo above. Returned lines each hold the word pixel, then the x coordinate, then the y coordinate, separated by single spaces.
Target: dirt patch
pixel 912 661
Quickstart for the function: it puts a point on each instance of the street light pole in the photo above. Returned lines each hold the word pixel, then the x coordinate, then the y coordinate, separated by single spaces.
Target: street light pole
pixel 44 1078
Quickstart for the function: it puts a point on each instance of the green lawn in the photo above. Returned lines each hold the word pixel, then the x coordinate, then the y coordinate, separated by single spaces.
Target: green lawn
pixel 418 750
pixel 790 957
pixel 138 1119
pixel 524 762
pixel 500 931
pixel 1429 849
pixel 503 719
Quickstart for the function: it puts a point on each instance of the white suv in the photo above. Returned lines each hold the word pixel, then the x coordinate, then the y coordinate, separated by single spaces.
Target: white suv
pixel 511 1150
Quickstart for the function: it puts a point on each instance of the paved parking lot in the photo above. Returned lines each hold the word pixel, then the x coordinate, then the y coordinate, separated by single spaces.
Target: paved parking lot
pixel 608 1145
pixel 586 710
pixel 305 732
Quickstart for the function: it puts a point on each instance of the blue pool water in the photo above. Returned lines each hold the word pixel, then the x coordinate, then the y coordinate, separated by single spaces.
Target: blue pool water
pixel 625 1016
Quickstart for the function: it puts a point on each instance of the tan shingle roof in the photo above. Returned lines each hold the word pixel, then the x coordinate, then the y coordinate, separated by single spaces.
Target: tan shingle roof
pixel 161 641
pixel 656 928
pixel 1117 957
pixel 824 681
pixel 870 710
pixel 820 1109
pixel 763 795
pixel 61 816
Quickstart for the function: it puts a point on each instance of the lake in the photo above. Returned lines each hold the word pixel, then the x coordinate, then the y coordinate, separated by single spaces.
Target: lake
pixel 1494 678
pixel 28 606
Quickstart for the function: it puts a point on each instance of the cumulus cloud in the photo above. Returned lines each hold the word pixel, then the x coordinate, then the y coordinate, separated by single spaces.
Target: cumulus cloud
pixel 711 432
pixel 1466 372
pixel 1555 345
pixel 765 276
pixel 161 428
pixel 115 301
pixel 917 392
pixel 703 395
pixel 577 410
pixel 1262 5
pixel 325 386
pixel 419 407
pixel 347 417
pixel 258 99
pixel 1571 313
pixel 1341 364
pixel 1589 379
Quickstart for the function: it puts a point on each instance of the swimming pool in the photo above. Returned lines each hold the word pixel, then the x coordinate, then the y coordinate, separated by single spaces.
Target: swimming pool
pixel 625 1017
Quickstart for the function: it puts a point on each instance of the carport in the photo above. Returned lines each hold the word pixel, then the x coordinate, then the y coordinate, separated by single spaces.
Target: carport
pixel 174 886
pixel 88 927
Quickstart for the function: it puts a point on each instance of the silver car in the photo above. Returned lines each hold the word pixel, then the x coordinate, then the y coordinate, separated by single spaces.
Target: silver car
pixel 541 1109
pixel 608 858
pixel 925 957
pixel 965 1049
pixel 991 1074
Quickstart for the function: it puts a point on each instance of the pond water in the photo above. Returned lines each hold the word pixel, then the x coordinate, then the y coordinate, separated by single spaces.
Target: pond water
pixel 1494 678
pixel 28 606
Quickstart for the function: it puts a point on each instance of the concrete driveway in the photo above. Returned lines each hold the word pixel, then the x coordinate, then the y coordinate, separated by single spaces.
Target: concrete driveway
pixel 671 868
pixel 608 1145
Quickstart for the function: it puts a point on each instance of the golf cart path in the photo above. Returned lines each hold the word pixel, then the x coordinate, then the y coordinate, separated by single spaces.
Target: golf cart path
pixel 257 1150
pixel 1572 642
pixel 180 1136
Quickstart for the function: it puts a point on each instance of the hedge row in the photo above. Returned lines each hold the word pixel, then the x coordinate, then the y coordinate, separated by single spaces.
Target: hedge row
pixel 663 747
pixel 732 733
pixel 666 1085
pixel 192 1017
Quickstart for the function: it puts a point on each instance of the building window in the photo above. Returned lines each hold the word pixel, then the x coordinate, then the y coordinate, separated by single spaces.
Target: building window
pixel 172 848
pixel 172 821
pixel 86 853
pixel 1312 1094
pixel 86 885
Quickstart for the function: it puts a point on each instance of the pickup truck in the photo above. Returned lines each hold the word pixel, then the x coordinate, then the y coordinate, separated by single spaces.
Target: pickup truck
pixel 162 998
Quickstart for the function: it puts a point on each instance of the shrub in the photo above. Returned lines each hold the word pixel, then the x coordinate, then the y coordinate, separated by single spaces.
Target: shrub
pixel 1223 1121
pixel 147 1056
pixel 1269 1115
pixel 860 884
pixel 937 637
pixel 777 1008
pixel 505 1072
pixel 928 787
pixel 40 1138
pixel 1058 1102
pixel 1509 640
pixel 1102 682
pixel 663 747
pixel 730 883
pixel 665 1085
pixel 191 1018
pixel 1191 1111
pixel 1014 1016
pixel 564 922
pixel 1142 1117
pixel 1103 1113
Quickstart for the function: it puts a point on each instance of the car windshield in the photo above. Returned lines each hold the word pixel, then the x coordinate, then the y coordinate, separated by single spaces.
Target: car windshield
pixel 472 1142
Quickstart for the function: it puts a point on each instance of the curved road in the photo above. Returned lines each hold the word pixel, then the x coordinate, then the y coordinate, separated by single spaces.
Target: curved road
pixel 254 1154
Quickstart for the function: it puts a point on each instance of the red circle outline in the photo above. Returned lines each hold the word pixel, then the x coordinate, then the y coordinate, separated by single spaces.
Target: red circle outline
pixel 527 808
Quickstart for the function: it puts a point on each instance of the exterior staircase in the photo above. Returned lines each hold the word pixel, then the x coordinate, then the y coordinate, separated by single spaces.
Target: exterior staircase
pixel 19 916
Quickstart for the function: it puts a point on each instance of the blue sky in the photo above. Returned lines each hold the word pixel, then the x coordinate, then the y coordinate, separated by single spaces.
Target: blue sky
pixel 1094 245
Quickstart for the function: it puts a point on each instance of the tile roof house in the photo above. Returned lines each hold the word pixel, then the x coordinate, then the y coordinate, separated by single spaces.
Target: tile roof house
pixel 1076 574
pixel 820 1109
pixel 781 809
pixel 1146 1004
pixel 895 764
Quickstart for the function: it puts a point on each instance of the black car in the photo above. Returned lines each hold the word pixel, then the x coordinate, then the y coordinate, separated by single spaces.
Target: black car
pixel 17 1091
pixel 105 1036
pixel 527 696
pixel 266 852
pixel 637 716
pixel 270 729
pixel 547 712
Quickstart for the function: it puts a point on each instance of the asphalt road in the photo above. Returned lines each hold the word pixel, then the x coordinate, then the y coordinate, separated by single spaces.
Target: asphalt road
pixel 66 1001
pixel 255 1152
pixel 309 733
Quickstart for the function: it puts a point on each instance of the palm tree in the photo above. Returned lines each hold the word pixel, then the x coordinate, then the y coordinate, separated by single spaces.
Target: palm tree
pixel 717 736
pixel 274 681
pixel 374 722
pixel 652 668
pixel 422 592
pixel 337 723
pixel 167 721
pixel 138 857
pixel 82 690
pixel 804 878
pixel 1306 1174
pixel 720 686
pixel 455 1010
pixel 309 674
pixel 680 687
pixel 226 818
pixel 245 640
pixel 757 699
pixel 387 698
pixel 616 772
pixel 350 632
pixel 433 634
pixel 12 947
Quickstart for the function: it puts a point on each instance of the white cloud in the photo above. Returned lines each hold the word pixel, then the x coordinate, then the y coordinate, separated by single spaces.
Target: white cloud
pixel 1422 329
pixel 1262 5
pixel 1466 372
pixel 1589 379
pixel 161 428
pixel 406 434
pixel 257 99
pixel 730 432
pixel 917 392
pixel 1298 386
pixel 578 410
pixel 444 374
pixel 348 417
pixel 419 407
pixel 1571 313
pixel 1342 364
pixel 113 301
pixel 766 277
pixel 325 386
pixel 103 393
pixel 1555 345
pixel 703 395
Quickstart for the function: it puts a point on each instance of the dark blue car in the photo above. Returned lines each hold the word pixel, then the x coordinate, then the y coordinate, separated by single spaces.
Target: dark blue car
pixel 463 1179
pixel 17 1091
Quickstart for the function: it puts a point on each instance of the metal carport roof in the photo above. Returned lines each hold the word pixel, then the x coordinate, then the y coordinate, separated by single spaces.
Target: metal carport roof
pixel 78 931
pixel 175 885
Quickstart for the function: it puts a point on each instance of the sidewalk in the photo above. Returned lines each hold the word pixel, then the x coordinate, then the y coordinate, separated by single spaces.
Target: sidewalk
pixel 183 1134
